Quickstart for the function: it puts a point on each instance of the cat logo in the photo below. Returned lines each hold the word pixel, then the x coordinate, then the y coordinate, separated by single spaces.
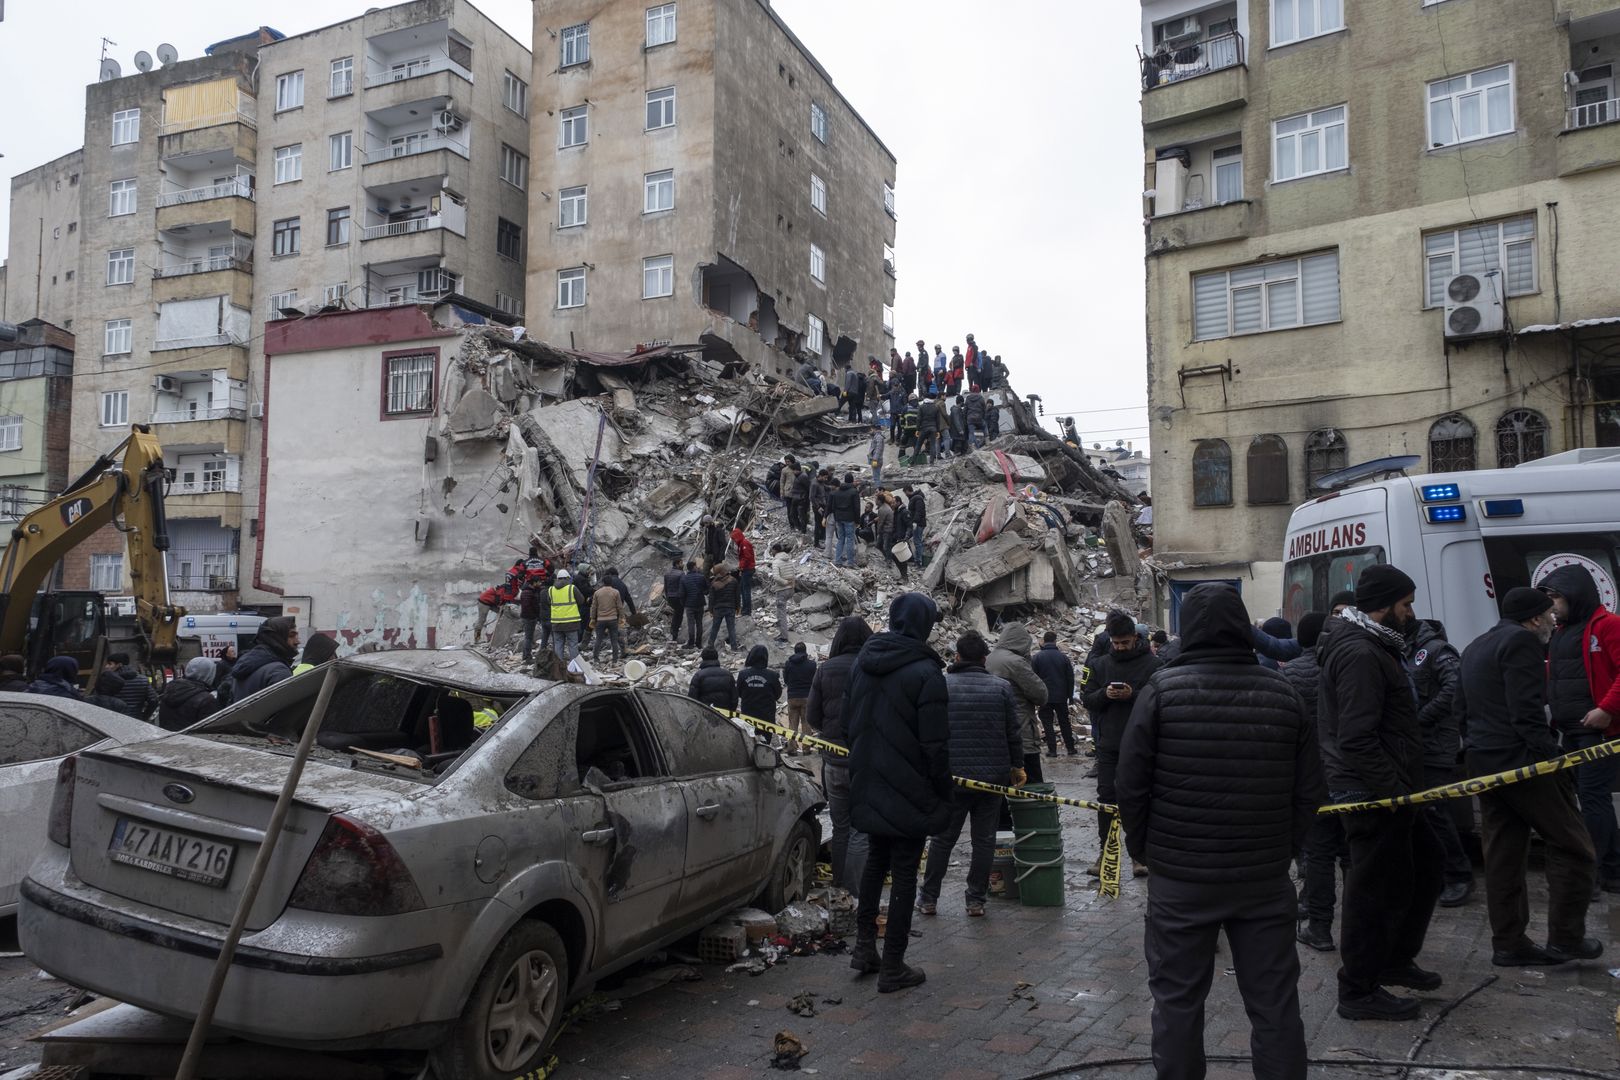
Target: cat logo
pixel 74 509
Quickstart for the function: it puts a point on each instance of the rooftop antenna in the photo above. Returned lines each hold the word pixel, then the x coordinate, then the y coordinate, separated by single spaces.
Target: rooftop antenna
pixel 109 67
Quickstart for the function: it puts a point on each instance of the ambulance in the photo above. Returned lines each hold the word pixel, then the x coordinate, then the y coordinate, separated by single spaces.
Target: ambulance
pixel 1465 538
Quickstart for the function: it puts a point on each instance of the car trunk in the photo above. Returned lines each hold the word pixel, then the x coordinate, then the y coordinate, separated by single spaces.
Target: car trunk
pixel 176 823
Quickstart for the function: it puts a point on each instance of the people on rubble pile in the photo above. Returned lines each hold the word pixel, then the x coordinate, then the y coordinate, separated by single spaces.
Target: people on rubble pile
pixel 606 608
pixel 693 592
pixel 566 605
pixel 723 605
pixel 712 684
pixel 798 673
pixel 745 570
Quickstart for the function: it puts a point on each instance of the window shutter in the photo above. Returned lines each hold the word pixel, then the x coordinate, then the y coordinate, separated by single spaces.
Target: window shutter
pixel 1268 470
pixel 1209 306
pixel 1319 282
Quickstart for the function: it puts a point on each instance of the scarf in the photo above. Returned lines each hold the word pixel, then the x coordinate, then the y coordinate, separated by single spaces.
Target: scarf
pixel 1390 639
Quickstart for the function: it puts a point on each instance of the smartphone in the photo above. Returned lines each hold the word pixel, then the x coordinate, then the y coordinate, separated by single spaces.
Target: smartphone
pixel 1118 686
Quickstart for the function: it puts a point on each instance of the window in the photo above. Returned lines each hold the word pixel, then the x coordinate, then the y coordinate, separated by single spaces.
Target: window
pixel 818 194
pixel 508 240
pixel 512 305
pixel 11 432
pixel 1451 444
pixel 337 226
pixel 1508 246
pixel 1296 20
pixel 282 301
pixel 119 337
pixel 818 264
pixel 661 108
pixel 1473 106
pixel 121 198
pixel 335 295
pixel 1268 470
pixel 576 44
pixel 888 198
pixel 660 25
pixel 286 237
pixel 1521 436
pixel 73 227
pixel 121 266
pixel 1309 144
pixel 888 259
pixel 342 77
pixel 570 207
pixel 700 741
pixel 815 338
pixel 575 126
pixel 657 276
pixel 515 94
pixel 1266 296
pixel 888 319
pixel 126 127
pixel 1325 452
pixel 1212 473
pixel 114 408
pixel 340 151
pixel 818 121
pixel 289 90
pixel 514 167
pixel 408 384
pixel 289 163
pixel 11 502
pixel 659 189
pixel 106 572
pixel 571 287
pixel 1229 174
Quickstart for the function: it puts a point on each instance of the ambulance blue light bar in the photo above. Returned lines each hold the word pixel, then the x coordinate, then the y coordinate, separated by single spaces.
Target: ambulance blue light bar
pixel 1445 515
pixel 1502 508
pixel 1433 493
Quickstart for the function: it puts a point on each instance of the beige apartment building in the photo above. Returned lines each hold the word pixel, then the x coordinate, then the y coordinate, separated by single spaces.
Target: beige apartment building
pixel 697 178
pixel 42 250
pixel 1374 228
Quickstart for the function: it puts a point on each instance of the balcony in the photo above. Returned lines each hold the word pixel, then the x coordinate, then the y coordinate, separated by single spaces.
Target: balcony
pixel 1195 228
pixel 203 264
pixel 204 487
pixel 1591 138
pixel 403 228
pixel 240 187
pixel 1199 79
pixel 416 67
pixel 201 128
pixel 246 112
pixel 1576 10
pixel 190 416
pixel 179 431
pixel 197 341
pixel 395 145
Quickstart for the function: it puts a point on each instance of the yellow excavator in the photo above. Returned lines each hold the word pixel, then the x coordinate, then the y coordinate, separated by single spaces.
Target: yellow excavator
pixel 124 487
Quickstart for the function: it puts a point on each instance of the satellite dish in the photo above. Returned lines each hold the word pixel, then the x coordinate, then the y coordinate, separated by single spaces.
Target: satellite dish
pixel 1378 468
pixel 143 60
pixel 166 54
pixel 110 70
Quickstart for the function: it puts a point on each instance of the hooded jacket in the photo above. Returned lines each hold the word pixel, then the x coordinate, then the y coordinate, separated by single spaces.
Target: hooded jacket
pixel 267 663
pixel 713 685
pixel 1435 666
pixel 1010 660
pixel 1501 698
pixel 987 737
pixel 797 674
pixel 59 679
pixel 745 550
pixel 694 587
pixel 845 503
pixel 1368 712
pixel 759 687
pixel 1056 671
pixel 723 593
pixel 1134 668
pixel 1219 772
pixel 1583 658
pixel 185 701
pixel 899 767
pixel 825 708
pixel 973 406
pixel 317 650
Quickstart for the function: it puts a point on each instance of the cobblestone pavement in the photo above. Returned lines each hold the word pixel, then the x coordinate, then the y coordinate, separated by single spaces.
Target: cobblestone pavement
pixel 1087 998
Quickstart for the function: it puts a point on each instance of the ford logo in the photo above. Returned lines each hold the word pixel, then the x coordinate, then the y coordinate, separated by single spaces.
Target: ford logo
pixel 178 793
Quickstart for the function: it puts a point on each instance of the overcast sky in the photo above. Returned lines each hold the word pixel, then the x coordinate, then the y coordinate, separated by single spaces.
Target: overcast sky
pixel 1016 129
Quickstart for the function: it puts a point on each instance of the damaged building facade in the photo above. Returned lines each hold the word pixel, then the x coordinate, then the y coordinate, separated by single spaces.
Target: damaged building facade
pixel 1369 233
pixel 698 179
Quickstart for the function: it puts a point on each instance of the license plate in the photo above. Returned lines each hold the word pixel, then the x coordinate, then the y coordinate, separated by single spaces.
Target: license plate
pixel 165 851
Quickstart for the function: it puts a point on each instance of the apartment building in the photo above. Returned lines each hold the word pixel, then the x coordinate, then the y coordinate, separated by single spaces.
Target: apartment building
pixel 36 380
pixel 698 178
pixel 1374 228
pixel 42 252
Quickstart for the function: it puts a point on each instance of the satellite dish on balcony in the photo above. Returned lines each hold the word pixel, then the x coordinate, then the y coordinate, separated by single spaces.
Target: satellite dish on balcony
pixel 167 54
pixel 143 60
pixel 110 70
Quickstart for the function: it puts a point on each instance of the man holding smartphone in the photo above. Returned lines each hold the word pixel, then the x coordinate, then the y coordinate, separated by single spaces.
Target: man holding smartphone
pixel 1112 682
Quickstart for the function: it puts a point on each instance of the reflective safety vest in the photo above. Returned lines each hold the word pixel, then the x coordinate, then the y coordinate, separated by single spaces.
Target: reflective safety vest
pixel 483 718
pixel 564 604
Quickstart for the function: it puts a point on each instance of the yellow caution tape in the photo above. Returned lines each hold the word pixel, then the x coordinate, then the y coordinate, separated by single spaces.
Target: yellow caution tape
pixel 1108 876
pixel 1464 789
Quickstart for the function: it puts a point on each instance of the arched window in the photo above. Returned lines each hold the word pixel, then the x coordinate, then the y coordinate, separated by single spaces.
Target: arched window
pixel 1268 470
pixel 1325 452
pixel 1521 435
pixel 1452 444
pixel 1212 473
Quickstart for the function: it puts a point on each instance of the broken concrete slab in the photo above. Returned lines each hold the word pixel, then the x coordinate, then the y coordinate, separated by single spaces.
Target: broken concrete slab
pixel 820 601
pixel 1121 541
pixel 972 610
pixel 1025 470
pixel 571 426
pixel 1006 592
pixel 975 567
pixel 1041 585
pixel 807 409
pixel 1064 577
pixel 669 496
pixel 475 413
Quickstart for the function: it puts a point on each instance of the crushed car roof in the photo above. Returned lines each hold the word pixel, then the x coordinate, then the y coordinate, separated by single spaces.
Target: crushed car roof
pixel 464 669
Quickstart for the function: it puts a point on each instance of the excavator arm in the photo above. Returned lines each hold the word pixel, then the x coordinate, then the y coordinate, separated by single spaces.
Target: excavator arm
pixel 112 490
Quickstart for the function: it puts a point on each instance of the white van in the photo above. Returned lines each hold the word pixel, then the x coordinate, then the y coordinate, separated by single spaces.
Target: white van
pixel 218 631
pixel 1465 538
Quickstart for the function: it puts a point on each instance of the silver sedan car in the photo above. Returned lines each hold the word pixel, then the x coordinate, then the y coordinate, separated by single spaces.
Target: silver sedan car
pixel 436 885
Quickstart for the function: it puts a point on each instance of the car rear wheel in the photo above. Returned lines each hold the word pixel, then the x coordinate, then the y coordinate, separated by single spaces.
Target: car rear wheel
pixel 790 877
pixel 514 1012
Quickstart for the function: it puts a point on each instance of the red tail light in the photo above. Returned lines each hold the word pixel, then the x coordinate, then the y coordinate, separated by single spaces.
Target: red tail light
pixel 59 826
pixel 354 870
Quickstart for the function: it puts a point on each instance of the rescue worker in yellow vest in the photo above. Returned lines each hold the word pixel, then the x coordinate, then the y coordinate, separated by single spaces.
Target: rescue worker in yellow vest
pixel 565 602
pixel 317 650
pixel 485 715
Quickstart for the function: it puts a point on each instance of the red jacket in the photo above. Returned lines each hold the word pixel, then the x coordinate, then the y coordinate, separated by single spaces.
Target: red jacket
pixel 496 595
pixel 1602 637
pixel 745 550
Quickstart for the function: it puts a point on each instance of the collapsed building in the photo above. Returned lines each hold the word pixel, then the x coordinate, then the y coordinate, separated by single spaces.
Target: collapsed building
pixel 384 531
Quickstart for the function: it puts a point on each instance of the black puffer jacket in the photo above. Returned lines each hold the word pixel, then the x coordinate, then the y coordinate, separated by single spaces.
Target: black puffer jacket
pixel 1108 715
pixel 986 736
pixel 694 587
pixel 137 694
pixel 723 593
pixel 713 685
pixel 1501 700
pixel 268 662
pixel 185 701
pixel 797 674
pixel 899 765
pixel 1569 691
pixel 1368 713
pixel 759 687
pixel 1435 666
pixel 1219 774
pixel 1056 671
pixel 1304 674
pixel 845 503
pixel 672 587
pixel 825 709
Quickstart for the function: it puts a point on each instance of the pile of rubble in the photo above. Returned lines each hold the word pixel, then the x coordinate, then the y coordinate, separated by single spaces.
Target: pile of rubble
pixel 613 461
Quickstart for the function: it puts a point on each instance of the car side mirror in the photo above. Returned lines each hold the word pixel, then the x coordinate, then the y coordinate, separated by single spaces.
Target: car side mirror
pixel 765 756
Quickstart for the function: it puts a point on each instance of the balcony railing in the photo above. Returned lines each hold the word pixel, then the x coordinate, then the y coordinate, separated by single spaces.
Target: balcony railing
pixel 1592 114
pixel 204 487
pixel 238 187
pixel 203 264
pixel 246 112
pixel 182 416
pixel 202 582
pixel 198 342
pixel 411 69
pixel 1168 65
pixel 402 228
pixel 416 142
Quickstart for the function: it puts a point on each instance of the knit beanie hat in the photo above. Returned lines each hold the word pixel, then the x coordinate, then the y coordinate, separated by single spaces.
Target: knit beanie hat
pixel 1380 586
pixel 1523 604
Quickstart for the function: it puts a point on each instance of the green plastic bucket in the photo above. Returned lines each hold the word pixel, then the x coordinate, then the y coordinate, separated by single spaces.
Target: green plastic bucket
pixel 1034 813
pixel 1032 843
pixel 1040 881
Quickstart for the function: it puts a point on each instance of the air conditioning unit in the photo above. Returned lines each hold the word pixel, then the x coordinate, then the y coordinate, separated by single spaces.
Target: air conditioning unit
pixel 447 121
pixel 166 384
pixel 1183 29
pixel 256 410
pixel 1474 305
